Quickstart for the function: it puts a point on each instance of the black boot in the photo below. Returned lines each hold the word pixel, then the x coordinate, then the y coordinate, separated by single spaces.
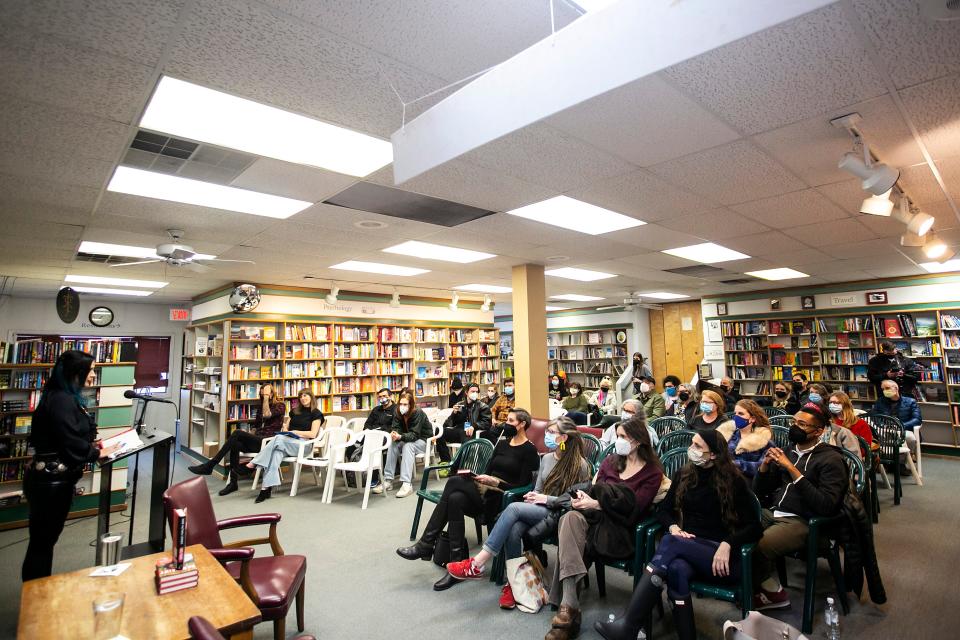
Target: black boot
pixel 203 469
pixel 263 495
pixel 423 549
pixel 627 626
pixel 458 551
pixel 683 622
pixel 231 486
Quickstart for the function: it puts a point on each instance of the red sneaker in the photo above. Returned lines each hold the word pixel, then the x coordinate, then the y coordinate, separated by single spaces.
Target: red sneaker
pixel 764 599
pixel 506 598
pixel 464 570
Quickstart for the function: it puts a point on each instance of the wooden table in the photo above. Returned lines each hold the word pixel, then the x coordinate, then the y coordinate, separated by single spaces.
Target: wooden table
pixel 62 605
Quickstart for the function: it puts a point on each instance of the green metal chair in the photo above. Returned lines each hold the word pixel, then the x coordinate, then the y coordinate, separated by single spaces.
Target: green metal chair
pixel 773 411
pixel 675 440
pixel 781 421
pixel 603 454
pixel 870 499
pixel 820 543
pixel 781 436
pixel 592 449
pixel 666 424
pixel 474 455
pixel 674 460
pixel 888 432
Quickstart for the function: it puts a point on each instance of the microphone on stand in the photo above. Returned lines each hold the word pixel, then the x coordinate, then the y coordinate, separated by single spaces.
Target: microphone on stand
pixel 130 394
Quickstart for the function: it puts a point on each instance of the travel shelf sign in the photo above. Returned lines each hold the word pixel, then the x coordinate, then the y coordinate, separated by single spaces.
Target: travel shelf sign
pixel 844 300
pixel 179 315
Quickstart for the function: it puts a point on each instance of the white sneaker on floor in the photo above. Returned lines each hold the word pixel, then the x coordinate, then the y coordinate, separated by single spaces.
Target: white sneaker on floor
pixel 405 490
pixel 383 486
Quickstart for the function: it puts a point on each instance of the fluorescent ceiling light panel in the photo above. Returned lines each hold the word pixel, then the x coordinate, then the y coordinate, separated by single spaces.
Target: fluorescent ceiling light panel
pixel 549 308
pixel 127 251
pixel 150 284
pixel 190 111
pixel 484 288
pixel 377 267
pixel 114 292
pixel 430 251
pixel 576 215
pixel 942 267
pixel 584 275
pixel 782 273
pixel 663 295
pixel 150 184
pixel 706 253
pixel 576 297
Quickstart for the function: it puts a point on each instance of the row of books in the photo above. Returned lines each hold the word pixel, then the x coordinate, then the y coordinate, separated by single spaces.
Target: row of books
pixel 787 373
pixel 243 412
pixel 351 403
pixel 745 328
pixel 354 385
pixel 306 350
pixel 394 351
pixel 489 364
pixel 307 370
pixel 748 373
pixel 845 357
pixel 951 340
pixel 25 379
pixel 395 334
pixel 603 352
pixel 833 325
pixel 755 343
pixel 789 327
pixel 246 391
pixel 847 373
pixel 793 358
pixel 488 377
pixel 351 334
pixel 261 372
pixel 903 325
pixel 463 365
pixel 932 372
pixel 12 471
pixel 463 351
pixel 563 354
pixel 248 332
pixel 462 335
pixel 752 359
pixel 13 448
pixel 431 355
pixel 318 332
pixel 950 322
pixel 794 342
pixel 254 352
pixel 848 341
pixel 916 347
pixel 354 350
pixel 430 388
pixel 394 383
pixel 17 425
pixel 488 335
pixel 432 335
pixel 292 388
pixel 41 350
pixel 394 366
pixel 353 367
pixel 567 367
pixel 435 371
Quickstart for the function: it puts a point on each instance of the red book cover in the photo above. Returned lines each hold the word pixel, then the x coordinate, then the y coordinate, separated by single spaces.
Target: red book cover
pixel 891 328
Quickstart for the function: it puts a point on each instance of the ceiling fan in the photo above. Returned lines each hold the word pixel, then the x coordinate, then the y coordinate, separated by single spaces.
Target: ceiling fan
pixel 632 301
pixel 176 254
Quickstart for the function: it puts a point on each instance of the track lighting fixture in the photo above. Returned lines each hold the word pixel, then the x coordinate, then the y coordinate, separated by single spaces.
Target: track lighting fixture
pixel 934 248
pixel 880 205
pixel 395 300
pixel 332 296
pixel 911 240
pixel 486 303
pixel 917 223
pixel 877 178
pixel 454 300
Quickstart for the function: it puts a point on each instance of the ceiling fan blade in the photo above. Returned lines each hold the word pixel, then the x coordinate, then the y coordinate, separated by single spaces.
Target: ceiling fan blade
pixel 197 267
pixel 226 260
pixel 130 264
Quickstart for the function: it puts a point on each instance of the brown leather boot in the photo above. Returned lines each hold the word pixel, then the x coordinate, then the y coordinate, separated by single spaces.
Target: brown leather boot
pixel 565 625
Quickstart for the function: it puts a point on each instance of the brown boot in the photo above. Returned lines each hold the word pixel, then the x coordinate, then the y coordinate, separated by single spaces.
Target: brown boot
pixel 565 625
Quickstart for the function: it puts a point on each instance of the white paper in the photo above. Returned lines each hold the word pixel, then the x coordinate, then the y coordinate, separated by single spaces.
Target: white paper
pixel 686 323
pixel 128 441
pixel 110 571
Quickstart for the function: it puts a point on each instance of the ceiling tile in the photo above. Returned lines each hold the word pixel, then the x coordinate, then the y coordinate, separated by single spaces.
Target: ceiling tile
pixel 584 248
pixel 945 216
pixel 801 257
pixel 657 260
pixel 733 173
pixel 848 195
pixel 339 218
pixel 644 196
pixel 950 172
pixel 20 209
pixel 645 122
pixel 45 192
pixel 883 226
pixel 291 180
pixel 769 243
pixel 799 207
pixel 654 237
pixel 920 185
pixel 56 167
pixel 896 272
pixel 717 224
pixel 933 108
pixel 846 275
pixel 840 232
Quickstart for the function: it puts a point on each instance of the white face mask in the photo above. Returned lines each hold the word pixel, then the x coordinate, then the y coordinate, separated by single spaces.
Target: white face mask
pixel 697 457
pixel 625 416
pixel 473 396
pixel 622 446
pixel 644 387
pixel 490 394
pixel 574 391
pixel 403 409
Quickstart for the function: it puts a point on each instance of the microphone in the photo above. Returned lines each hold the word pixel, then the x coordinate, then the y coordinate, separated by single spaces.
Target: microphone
pixel 130 394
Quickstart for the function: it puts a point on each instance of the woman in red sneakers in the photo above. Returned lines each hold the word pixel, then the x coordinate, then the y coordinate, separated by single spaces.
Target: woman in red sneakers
pixel 559 471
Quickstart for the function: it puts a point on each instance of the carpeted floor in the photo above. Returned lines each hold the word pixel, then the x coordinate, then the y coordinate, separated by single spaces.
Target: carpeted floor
pixel 359 588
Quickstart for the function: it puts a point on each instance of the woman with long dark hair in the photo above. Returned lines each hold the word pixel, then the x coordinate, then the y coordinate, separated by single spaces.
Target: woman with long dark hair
pixel 64 439
pixel 709 514
pixel 561 469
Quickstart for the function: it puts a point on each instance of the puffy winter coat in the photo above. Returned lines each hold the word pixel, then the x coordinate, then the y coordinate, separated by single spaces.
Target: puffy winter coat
pixel 747 446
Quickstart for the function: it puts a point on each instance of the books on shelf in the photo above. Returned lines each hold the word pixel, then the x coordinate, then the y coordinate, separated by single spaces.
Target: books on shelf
pixel 395 334
pixel 431 335
pixel 310 332
pixel 745 328
pixel 345 333
pixel 46 350
pixel 950 321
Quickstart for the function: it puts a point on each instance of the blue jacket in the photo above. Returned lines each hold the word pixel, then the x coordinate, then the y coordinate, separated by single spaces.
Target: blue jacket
pixel 906 410
pixel 746 450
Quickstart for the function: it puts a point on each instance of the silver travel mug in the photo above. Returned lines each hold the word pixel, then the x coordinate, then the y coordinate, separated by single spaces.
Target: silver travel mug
pixel 110 549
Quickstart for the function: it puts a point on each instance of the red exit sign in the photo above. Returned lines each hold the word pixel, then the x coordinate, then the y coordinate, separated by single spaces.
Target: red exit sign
pixel 179 315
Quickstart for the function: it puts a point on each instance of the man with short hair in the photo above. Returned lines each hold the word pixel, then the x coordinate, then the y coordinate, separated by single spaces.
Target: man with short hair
pixel 492 394
pixel 630 409
pixel 504 403
pixel 730 395
pixel 381 417
pixel 904 408
pixel 467 417
pixel 653 404
pixel 890 364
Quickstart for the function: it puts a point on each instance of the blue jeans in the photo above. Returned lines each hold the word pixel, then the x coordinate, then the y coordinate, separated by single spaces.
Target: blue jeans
pixel 271 456
pixel 681 560
pixel 512 523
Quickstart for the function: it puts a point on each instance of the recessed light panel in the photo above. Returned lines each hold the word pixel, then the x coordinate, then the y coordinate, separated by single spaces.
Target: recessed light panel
pixel 575 215
pixel 191 111
pixel 438 252
pixel 942 267
pixel 576 297
pixel 583 275
pixel 112 292
pixel 150 184
pixel 549 308
pixel 706 253
pixel 484 288
pixel 663 295
pixel 377 267
pixel 150 284
pixel 126 251
pixel 783 273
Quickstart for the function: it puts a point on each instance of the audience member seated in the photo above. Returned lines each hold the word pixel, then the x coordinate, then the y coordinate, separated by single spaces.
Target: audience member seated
pixel 561 469
pixel 268 422
pixel 711 409
pixel 904 408
pixel 709 514
pixel 381 416
pixel 816 393
pixel 844 416
pixel 606 399
pixel 492 394
pixel 809 480
pixel 457 392
pixel 639 369
pixel 836 433
pixel 602 521
pixel 303 423
pixel 670 385
pixel 687 402
pixel 467 417
pixel 558 388
pixel 512 465
pixel 653 404
pixel 631 408
pixel 748 436
pixel 409 434
pixel 504 404
pixel 730 394
pixel 576 404
pixel 784 399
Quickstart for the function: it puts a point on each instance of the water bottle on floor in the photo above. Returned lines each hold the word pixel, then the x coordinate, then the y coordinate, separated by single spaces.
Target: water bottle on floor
pixel 832 617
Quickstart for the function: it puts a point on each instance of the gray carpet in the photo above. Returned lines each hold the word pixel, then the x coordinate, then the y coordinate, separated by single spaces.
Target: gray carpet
pixel 359 588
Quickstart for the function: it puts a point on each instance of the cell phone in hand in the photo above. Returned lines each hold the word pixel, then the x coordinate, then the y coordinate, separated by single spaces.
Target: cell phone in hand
pixel 466 473
pixel 573 493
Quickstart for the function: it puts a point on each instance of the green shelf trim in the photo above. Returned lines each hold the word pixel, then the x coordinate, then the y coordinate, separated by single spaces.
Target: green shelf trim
pixel 379 322
pixel 876 310
pixel 569 329
pixel 836 288
pixel 119 375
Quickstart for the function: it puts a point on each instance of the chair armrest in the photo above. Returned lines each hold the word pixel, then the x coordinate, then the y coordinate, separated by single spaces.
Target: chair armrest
pixel 651 536
pixel 263 518
pixel 244 521
pixel 640 542
pixel 427 470
pixel 746 570
pixel 513 495
pixel 231 555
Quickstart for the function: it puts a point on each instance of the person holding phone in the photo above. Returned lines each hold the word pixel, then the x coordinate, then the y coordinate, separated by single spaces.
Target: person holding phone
pixel 514 461
pixel 467 418
pixel 64 439
pixel 303 423
pixel 890 364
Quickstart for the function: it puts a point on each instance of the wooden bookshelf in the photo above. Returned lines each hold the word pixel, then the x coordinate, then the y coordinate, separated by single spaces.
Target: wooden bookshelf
pixel 587 355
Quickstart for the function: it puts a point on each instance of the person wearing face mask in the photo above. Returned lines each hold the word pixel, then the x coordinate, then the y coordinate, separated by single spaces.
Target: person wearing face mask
pixel 708 514
pixel 890 364
pixel 457 393
pixel 748 436
pixel 630 409
pixel 711 410
pixel 505 403
pixel 640 369
pixel 844 416
pixel 381 416
pixel 687 403
pixel 837 434
pixel 576 404
pixel 606 398
pixel 904 408
pixel 465 419
pixel 730 395
pixel 513 463
pixel 799 387
pixel 653 404
pixel 816 393
pixel 558 388
pixel 492 395
pixel 784 400
pixel 670 385
pixel 808 480
pixel 560 469
pixel 408 437
pixel 622 494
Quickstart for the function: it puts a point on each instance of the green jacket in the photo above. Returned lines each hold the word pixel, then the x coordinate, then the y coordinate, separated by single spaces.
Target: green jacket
pixel 578 402
pixel 418 427
pixel 653 405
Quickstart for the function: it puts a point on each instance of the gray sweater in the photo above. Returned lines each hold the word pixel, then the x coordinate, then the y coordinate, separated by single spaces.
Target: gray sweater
pixel 547 462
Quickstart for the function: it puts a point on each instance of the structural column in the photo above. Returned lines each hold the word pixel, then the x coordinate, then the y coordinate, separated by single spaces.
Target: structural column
pixel 530 339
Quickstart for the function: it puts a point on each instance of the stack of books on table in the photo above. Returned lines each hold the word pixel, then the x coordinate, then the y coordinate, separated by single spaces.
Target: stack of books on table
pixel 169 578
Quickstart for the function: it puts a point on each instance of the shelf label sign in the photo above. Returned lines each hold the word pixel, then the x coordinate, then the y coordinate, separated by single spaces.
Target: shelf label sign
pixel 179 315
pixel 846 300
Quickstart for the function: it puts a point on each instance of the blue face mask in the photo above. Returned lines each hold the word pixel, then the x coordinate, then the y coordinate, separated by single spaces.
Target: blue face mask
pixel 550 441
pixel 706 407
pixel 815 397
pixel 740 421
pixel 671 391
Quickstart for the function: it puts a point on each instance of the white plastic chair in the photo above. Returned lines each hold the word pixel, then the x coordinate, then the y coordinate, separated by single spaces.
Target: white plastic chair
pixel 556 410
pixel 309 456
pixel 355 424
pixel 430 452
pixel 375 442
pixel 916 470
pixel 430 411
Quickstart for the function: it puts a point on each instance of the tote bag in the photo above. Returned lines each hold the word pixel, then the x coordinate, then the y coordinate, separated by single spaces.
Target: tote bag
pixel 525 575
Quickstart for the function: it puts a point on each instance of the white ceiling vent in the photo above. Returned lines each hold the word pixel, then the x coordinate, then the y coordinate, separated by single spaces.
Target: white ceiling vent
pixel 163 154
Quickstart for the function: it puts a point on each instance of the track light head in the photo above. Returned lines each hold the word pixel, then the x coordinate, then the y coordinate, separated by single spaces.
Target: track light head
pixel 332 296
pixel 911 240
pixel 454 300
pixel 934 248
pixel 486 303
pixel 917 223
pixel 880 205
pixel 395 300
pixel 876 178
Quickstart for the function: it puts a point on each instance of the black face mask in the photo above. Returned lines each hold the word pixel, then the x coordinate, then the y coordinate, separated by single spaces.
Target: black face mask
pixel 797 435
pixel 780 394
pixel 684 396
pixel 797 385
pixel 509 430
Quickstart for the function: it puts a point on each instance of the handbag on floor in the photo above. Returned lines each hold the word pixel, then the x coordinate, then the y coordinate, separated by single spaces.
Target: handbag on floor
pixel 757 626
pixel 525 576
pixel 441 550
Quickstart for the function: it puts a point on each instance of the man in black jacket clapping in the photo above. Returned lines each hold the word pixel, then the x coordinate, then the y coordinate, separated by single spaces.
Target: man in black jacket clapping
pixel 809 480
pixel 468 417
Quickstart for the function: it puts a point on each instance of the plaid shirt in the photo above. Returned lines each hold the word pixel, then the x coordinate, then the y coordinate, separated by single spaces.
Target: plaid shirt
pixel 501 408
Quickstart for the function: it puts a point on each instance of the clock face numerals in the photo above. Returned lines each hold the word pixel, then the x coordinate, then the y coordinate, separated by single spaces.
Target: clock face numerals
pixel 101 316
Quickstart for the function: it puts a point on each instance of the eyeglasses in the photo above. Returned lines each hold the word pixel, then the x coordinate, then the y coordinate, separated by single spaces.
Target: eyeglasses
pixel 802 425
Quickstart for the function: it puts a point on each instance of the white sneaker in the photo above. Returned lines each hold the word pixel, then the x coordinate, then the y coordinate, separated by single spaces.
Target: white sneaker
pixel 383 486
pixel 405 490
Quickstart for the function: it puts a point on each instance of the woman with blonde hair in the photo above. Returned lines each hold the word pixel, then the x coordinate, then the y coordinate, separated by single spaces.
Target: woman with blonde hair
pixel 748 436
pixel 709 412
pixel 845 425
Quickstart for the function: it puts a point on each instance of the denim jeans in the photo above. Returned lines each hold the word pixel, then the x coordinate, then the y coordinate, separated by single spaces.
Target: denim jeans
pixel 681 560
pixel 271 455
pixel 512 523
pixel 407 452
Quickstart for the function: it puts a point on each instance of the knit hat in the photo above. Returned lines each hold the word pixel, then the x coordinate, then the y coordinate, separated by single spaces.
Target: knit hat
pixel 714 439
pixel 456 384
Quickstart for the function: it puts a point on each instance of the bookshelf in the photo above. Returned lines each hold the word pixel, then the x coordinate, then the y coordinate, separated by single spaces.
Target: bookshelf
pixel 432 366
pixel 489 352
pixel 202 381
pixel 950 343
pixel 587 355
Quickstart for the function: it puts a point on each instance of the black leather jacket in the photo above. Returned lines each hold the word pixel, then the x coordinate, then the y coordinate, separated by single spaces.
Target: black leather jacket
pixel 477 413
